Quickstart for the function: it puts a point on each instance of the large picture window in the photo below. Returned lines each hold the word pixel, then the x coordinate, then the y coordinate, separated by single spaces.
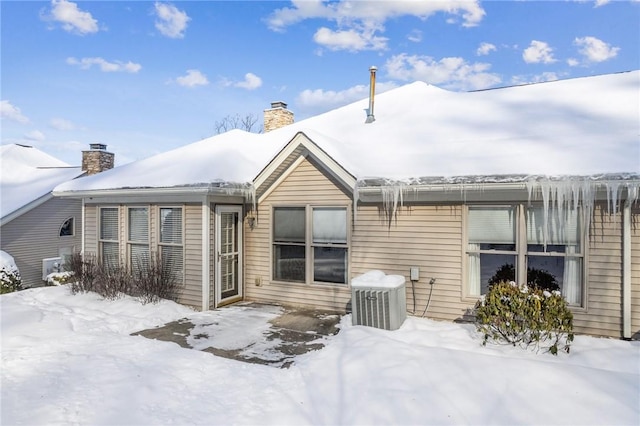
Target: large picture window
pixel 315 253
pixel 171 241
pixel 547 246
pixel 138 238
pixel 108 237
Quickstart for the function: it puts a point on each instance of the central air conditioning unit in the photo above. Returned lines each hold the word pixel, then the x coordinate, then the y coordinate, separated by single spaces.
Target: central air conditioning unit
pixel 379 300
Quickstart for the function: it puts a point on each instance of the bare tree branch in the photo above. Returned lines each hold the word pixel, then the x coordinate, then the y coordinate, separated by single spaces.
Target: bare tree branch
pixel 248 123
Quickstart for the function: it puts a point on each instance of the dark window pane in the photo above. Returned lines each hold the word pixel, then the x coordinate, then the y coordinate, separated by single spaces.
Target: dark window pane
pixel 289 263
pixel 67 228
pixel 330 265
pixel 546 272
pixel 501 247
pixel 495 268
pixel 551 248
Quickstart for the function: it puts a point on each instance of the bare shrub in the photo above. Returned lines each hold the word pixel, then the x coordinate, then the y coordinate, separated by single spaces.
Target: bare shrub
pixel 83 269
pixel 113 282
pixel 150 281
pixel 156 280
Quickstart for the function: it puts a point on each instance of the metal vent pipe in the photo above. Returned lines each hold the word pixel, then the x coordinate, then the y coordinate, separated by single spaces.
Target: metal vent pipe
pixel 372 91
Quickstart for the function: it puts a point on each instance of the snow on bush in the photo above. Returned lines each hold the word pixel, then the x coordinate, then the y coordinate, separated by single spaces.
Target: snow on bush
pixel 10 279
pixel 59 278
pixel 525 316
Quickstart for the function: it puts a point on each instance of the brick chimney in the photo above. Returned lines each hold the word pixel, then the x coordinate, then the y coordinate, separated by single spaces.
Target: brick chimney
pixel 97 159
pixel 277 116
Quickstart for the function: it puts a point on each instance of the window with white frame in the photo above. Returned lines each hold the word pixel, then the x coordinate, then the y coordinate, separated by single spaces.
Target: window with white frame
pixel 546 244
pixel 138 238
pixel 491 249
pixel 108 242
pixel 67 230
pixel 554 251
pixel 171 241
pixel 315 253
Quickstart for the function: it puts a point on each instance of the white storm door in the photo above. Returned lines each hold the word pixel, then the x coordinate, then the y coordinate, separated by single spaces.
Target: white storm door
pixel 228 283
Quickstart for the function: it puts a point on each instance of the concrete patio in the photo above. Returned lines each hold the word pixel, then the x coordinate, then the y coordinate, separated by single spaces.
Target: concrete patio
pixel 251 332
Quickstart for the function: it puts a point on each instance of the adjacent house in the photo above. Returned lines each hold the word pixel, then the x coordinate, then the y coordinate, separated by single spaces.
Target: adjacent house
pixel 534 183
pixel 35 226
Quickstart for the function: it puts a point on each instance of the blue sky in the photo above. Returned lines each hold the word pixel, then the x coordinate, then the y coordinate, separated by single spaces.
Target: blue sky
pixel 146 77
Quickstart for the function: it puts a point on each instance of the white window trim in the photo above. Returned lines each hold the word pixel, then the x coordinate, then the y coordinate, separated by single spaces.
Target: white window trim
pixel 521 252
pixel 99 228
pixel 160 244
pixel 130 242
pixel 73 227
pixel 309 245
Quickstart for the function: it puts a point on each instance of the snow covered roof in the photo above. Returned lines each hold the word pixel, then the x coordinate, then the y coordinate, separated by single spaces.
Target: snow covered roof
pixel 28 174
pixel 579 127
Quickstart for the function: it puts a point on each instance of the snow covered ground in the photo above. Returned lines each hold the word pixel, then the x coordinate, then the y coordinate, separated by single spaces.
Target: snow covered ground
pixel 70 360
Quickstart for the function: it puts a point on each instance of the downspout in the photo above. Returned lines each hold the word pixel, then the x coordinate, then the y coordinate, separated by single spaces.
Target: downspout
pixel 83 228
pixel 206 255
pixel 372 91
pixel 626 269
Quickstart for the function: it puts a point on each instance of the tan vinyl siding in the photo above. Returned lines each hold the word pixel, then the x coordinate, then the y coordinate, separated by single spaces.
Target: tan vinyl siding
pixel 90 229
pixel 603 313
pixel 192 293
pixel 304 185
pixel 429 237
pixel 635 271
pixel 35 235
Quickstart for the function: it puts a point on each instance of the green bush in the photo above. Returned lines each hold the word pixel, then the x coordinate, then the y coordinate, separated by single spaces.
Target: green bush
pixel 10 280
pixel 525 316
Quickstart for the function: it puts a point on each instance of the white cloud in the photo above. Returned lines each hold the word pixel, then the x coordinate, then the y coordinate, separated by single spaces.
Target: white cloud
pixel 485 48
pixel 595 50
pixel 61 124
pixel 171 21
pixel 319 100
pixel 358 23
pixel 415 36
pixel 193 78
pixel 537 52
pixel 34 135
pixel 105 66
pixel 537 78
pixel 350 11
pixel 601 2
pixel 451 73
pixel 250 82
pixel 11 112
pixel 573 62
pixel 351 39
pixel 73 20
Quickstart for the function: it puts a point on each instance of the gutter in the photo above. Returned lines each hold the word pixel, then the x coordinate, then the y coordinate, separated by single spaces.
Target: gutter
pixel 199 190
